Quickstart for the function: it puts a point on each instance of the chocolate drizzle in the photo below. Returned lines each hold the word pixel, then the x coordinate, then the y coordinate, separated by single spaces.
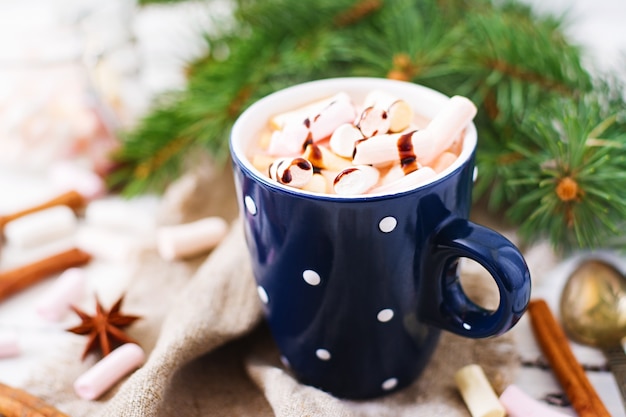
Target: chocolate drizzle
pixel 408 160
pixel 286 177
pixel 343 174
pixel 314 154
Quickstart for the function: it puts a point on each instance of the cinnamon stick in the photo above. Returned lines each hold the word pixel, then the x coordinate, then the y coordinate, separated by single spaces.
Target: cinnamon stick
pixel 22 277
pixel 72 199
pixel 15 402
pixel 567 369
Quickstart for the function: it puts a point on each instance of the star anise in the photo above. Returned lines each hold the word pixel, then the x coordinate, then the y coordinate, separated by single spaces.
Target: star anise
pixel 104 328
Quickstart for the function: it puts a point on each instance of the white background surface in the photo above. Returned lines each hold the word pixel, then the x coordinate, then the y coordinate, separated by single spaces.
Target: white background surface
pixel 166 36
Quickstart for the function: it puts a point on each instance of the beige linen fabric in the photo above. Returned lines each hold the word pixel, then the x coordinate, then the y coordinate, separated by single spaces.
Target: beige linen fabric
pixel 210 353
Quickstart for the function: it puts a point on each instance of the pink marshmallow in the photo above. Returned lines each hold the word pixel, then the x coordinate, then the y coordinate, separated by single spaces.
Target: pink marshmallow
pixel 66 290
pixel 69 176
pixel 9 345
pixel 519 404
pixel 108 371
pixel 292 137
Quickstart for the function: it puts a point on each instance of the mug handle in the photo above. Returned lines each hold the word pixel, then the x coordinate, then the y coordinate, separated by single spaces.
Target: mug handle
pixel 451 309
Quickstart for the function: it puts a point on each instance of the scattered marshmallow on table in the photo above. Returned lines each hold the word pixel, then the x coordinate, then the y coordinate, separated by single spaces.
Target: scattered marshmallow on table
pixel 190 239
pixel 519 404
pixel 41 227
pixel 479 396
pixel 70 176
pixel 66 290
pixel 9 345
pixel 108 371
pixel 121 215
pixel 110 245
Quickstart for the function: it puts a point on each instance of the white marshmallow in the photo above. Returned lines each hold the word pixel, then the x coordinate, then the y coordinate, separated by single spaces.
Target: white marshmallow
pixel 121 215
pixel 295 172
pixel 356 180
pixel 448 125
pixel 66 290
pixel 109 370
pixel 343 139
pixel 190 239
pixel 477 393
pixel 41 227
pixel 373 121
pixel 407 182
pixel 112 246
pixel 399 111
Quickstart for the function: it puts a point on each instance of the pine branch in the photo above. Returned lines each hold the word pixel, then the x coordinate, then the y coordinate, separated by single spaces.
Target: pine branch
pixel 572 174
pixel 551 139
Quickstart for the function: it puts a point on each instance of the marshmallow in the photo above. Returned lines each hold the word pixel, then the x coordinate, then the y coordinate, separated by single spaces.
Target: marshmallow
pixel 407 182
pixel 426 144
pixel 343 139
pixel 279 121
pixel 399 112
pixel 373 121
pixel 295 134
pixel 9 345
pixel 290 140
pixel 519 404
pixel 190 239
pixel 318 184
pixel 447 126
pixel 69 176
pixel 479 396
pixel 295 172
pixel 443 161
pixel 356 180
pixel 110 245
pixel 108 371
pixel 322 158
pixel 122 215
pixel 41 227
pixel 381 149
pixel 66 290
pixel 71 199
pixel 262 162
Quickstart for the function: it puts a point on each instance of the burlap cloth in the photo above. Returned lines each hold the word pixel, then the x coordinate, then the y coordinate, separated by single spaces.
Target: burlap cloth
pixel 210 354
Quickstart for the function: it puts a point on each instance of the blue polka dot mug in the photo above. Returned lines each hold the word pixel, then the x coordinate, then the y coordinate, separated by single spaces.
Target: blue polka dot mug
pixel 357 289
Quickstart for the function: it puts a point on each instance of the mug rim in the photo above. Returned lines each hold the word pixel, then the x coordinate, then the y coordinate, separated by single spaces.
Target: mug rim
pixel 300 94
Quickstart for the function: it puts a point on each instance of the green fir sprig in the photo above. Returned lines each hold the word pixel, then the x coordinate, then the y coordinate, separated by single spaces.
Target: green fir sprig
pixel 551 136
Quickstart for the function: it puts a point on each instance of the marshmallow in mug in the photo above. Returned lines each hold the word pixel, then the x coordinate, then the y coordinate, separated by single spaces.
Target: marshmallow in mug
pixel 377 149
